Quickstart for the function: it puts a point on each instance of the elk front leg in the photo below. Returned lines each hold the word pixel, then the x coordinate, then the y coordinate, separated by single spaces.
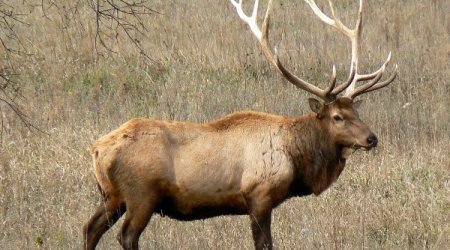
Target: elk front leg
pixel 262 236
pixel 261 216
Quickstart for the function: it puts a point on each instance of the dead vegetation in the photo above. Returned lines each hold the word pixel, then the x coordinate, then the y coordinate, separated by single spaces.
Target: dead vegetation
pixel 208 66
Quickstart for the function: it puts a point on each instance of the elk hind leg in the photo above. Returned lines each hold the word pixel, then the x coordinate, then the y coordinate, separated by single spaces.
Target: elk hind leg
pixel 107 213
pixel 138 215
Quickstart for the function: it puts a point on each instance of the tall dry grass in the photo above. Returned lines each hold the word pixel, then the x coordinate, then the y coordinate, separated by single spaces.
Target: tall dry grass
pixel 209 65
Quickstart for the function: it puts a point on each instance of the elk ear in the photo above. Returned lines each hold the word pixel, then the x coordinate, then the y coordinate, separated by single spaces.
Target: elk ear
pixel 357 104
pixel 315 105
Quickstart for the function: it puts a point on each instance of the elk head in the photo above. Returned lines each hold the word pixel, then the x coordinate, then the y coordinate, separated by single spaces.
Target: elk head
pixel 336 111
pixel 342 122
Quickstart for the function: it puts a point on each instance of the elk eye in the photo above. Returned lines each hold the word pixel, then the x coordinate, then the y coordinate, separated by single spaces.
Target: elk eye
pixel 338 118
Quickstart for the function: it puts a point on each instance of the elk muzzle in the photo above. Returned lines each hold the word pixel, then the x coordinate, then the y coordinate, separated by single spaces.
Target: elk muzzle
pixel 372 140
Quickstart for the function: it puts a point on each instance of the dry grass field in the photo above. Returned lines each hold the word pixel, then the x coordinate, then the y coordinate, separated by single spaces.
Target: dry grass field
pixel 206 65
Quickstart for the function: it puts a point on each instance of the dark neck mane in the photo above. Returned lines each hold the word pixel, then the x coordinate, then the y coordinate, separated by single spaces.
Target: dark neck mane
pixel 317 159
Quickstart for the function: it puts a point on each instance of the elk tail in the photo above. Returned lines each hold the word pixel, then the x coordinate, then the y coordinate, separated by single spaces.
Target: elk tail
pixel 102 192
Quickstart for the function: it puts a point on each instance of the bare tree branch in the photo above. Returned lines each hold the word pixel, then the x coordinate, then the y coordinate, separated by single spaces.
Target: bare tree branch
pixel 115 15
pixel 11 48
pixel 113 18
pixel 9 38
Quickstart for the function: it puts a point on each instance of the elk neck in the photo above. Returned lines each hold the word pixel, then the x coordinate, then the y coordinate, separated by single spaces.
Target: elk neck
pixel 317 159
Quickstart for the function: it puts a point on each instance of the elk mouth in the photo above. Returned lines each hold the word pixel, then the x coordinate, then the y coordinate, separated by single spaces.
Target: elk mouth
pixel 356 146
pixel 346 151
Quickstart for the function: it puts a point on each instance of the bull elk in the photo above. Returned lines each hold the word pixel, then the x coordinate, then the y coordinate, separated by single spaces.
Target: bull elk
pixel 244 163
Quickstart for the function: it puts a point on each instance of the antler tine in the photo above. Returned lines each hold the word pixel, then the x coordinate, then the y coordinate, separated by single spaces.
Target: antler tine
pixel 344 85
pixel 380 85
pixel 375 77
pixel 370 76
pixel 250 20
pixel 336 23
pixel 328 91
pixel 263 38
pixel 359 90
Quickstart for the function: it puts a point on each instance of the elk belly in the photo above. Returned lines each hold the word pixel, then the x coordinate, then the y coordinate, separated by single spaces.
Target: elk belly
pixel 188 205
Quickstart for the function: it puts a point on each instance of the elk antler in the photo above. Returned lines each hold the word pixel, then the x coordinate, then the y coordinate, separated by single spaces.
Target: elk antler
pixel 273 57
pixel 355 36
pixel 332 91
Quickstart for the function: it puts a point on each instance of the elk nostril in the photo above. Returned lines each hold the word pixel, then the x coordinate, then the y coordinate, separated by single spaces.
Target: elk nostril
pixel 372 140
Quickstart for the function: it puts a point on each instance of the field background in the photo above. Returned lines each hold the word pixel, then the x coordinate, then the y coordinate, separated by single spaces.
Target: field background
pixel 206 65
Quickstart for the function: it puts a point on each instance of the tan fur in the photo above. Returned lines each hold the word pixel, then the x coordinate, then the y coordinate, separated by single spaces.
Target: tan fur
pixel 177 153
pixel 244 163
